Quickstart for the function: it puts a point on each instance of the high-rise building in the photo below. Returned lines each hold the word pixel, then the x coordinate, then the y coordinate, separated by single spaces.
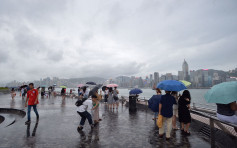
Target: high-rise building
pixel 180 75
pixel 185 71
pixel 156 78
pixel 169 76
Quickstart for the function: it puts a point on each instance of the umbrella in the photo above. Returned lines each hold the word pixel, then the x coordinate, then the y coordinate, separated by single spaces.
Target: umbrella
pixel 186 83
pixel 92 92
pixel 55 85
pixel 112 85
pixel 223 93
pixel 43 86
pixel 63 86
pixel 135 91
pixel 23 86
pixel 171 85
pixel 91 83
pixel 104 87
pixel 80 85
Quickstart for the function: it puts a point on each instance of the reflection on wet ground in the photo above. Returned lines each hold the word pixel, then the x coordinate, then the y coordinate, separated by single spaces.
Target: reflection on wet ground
pixel 58 123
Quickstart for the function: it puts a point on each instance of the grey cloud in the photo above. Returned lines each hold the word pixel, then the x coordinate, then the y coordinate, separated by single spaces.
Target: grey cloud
pixel 110 38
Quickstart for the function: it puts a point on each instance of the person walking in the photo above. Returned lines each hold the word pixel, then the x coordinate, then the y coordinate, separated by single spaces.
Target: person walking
pixel 63 93
pixel 32 100
pixel 116 99
pixel 110 98
pixel 84 111
pixel 166 110
pixel 153 103
pixel 175 110
pixel 184 112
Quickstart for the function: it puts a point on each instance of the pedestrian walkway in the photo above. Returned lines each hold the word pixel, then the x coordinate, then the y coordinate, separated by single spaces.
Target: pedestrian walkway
pixel 58 123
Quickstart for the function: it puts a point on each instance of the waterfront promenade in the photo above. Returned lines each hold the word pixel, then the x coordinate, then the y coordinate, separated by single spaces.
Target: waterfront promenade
pixel 58 123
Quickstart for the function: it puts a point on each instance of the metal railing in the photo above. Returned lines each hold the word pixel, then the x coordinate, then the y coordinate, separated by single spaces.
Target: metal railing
pixel 212 122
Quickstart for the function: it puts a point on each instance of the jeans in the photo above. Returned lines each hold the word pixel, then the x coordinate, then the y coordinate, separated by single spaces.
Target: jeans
pixel 35 110
pixel 169 126
pixel 85 115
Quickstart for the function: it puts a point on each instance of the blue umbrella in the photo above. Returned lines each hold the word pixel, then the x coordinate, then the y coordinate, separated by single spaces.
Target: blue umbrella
pixel 171 85
pixel 135 91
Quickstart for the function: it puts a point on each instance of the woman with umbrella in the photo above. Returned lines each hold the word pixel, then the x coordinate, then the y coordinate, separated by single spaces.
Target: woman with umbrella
pixel 184 112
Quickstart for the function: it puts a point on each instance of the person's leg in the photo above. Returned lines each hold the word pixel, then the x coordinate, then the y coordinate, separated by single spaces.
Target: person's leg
pixel 169 127
pixel 161 130
pixel 83 118
pixel 182 126
pixel 89 118
pixel 36 112
pixel 28 112
pixel 187 127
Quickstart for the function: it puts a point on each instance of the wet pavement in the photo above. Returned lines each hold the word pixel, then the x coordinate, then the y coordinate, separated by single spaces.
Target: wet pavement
pixel 58 124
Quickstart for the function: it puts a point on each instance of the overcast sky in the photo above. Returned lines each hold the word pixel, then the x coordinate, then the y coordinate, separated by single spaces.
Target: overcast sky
pixel 108 38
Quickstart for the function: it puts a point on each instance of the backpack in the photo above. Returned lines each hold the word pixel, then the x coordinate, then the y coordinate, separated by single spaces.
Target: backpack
pixel 80 102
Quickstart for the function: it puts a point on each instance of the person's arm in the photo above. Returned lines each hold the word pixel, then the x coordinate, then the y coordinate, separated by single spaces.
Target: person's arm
pixel 95 105
pixel 160 107
pixel 36 100
pixel 233 106
pixel 27 98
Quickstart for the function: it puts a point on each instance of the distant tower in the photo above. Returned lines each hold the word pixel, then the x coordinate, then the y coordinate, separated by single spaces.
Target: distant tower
pixel 185 71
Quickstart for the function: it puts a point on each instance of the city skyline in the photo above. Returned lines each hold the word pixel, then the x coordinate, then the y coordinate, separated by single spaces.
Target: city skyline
pixel 200 78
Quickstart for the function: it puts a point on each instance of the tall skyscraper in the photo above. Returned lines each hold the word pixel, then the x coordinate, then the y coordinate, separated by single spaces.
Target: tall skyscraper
pixel 156 78
pixel 185 71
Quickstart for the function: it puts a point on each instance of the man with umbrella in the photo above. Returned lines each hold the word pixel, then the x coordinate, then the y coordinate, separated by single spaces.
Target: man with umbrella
pixel 166 104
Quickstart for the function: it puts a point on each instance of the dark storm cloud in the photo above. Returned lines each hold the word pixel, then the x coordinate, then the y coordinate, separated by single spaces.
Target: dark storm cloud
pixel 107 38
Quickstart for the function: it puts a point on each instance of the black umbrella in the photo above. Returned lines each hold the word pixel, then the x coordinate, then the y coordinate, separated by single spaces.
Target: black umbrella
pixel 91 83
pixel 104 87
pixel 93 91
pixel 23 86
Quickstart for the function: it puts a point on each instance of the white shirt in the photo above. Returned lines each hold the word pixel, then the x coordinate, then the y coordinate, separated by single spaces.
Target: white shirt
pixel 86 106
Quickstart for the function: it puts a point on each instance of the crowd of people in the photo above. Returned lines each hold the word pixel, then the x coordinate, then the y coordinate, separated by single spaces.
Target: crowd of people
pixel 88 108
pixel 171 106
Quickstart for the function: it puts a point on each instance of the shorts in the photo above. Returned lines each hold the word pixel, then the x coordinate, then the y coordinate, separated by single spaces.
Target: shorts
pixel 175 112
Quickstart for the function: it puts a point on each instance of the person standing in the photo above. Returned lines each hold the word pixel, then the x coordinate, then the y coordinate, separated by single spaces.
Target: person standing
pixel 13 93
pixel 116 99
pixel 32 100
pixel 184 112
pixel 84 111
pixel 110 98
pixel 95 109
pixel 175 110
pixel 153 103
pixel 166 110
pixel 106 92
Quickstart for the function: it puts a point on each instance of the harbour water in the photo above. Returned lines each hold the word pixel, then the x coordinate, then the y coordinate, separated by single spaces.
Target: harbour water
pixel 196 94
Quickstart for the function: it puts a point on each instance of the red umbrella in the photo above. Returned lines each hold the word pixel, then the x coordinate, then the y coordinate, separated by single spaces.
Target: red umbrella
pixel 80 85
pixel 112 85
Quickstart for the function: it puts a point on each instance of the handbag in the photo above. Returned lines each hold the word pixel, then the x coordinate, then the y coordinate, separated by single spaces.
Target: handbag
pixel 159 122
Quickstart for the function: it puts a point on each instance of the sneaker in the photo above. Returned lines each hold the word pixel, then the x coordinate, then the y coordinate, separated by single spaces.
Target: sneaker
pixel 167 139
pixel 79 128
pixel 187 134
pixel 161 136
pixel 27 122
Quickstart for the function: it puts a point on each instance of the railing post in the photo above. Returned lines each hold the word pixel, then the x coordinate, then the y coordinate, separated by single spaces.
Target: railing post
pixel 212 133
